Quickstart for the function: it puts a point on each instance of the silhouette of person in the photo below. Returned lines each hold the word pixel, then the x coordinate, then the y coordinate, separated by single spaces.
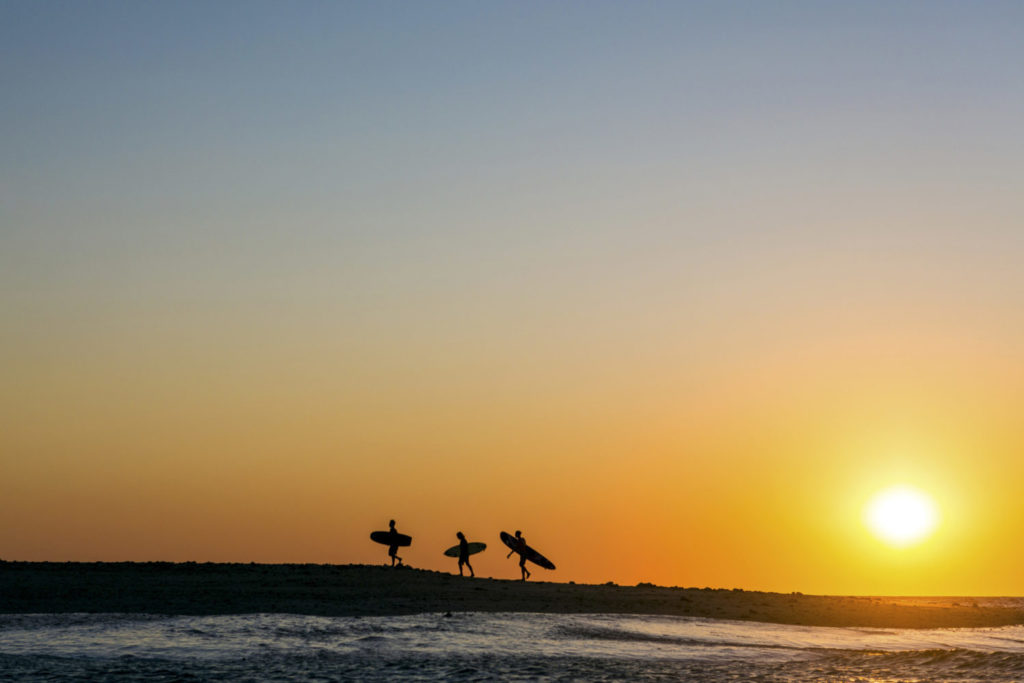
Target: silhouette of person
pixel 393 548
pixel 464 554
pixel 521 549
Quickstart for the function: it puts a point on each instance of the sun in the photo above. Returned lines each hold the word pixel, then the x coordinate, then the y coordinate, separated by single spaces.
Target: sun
pixel 901 516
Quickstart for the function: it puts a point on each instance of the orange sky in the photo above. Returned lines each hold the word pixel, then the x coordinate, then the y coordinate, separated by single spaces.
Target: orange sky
pixel 672 291
pixel 747 474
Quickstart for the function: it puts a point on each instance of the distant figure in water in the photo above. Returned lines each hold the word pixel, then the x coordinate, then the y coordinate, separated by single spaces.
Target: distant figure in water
pixel 521 542
pixel 464 554
pixel 393 548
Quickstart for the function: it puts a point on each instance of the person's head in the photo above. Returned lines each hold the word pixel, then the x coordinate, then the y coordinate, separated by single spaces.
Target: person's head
pixel 391 524
pixel 459 535
pixel 518 533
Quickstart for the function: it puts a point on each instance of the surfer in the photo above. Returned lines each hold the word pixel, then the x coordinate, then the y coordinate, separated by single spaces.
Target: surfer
pixel 393 548
pixel 521 549
pixel 464 554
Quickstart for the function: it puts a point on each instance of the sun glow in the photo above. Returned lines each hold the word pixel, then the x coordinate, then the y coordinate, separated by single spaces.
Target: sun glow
pixel 901 516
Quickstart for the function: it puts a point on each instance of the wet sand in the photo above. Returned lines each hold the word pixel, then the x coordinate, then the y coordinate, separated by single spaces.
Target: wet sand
pixel 361 590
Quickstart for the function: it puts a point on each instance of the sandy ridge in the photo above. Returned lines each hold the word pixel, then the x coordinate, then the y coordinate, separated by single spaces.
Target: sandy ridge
pixel 362 590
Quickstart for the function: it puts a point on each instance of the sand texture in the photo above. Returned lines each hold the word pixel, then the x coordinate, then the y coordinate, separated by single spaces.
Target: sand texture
pixel 360 590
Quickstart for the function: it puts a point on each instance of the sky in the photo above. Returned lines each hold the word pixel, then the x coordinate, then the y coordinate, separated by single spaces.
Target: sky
pixel 672 287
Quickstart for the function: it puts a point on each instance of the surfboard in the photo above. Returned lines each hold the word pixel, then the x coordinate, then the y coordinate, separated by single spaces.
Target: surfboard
pixel 528 552
pixel 391 538
pixel 474 548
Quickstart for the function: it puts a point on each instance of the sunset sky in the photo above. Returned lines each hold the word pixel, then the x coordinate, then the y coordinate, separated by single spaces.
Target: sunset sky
pixel 674 288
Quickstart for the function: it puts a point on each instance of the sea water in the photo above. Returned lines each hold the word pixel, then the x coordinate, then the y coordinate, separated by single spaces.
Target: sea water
pixel 477 646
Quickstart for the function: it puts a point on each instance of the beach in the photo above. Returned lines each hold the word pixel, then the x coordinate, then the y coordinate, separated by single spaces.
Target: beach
pixel 363 591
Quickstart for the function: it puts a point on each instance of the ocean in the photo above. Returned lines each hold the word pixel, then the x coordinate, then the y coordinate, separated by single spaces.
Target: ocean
pixel 480 646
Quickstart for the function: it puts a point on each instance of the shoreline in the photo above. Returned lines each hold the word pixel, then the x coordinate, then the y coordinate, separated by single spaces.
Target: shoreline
pixel 368 590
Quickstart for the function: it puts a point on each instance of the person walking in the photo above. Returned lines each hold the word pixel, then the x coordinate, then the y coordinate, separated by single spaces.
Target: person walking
pixel 464 554
pixel 393 548
pixel 521 549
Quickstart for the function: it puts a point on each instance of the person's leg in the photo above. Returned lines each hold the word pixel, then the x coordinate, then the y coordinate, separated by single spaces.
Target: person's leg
pixel 471 572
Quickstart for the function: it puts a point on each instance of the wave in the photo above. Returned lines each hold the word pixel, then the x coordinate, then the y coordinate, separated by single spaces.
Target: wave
pixel 598 633
pixel 981 654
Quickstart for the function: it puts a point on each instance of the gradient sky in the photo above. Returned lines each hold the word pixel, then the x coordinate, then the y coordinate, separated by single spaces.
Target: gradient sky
pixel 672 287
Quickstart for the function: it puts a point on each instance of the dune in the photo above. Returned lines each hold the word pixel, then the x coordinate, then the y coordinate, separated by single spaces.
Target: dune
pixel 360 590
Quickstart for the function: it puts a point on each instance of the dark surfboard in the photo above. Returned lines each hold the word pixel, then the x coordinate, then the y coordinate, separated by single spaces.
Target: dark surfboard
pixel 391 538
pixel 474 548
pixel 528 552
